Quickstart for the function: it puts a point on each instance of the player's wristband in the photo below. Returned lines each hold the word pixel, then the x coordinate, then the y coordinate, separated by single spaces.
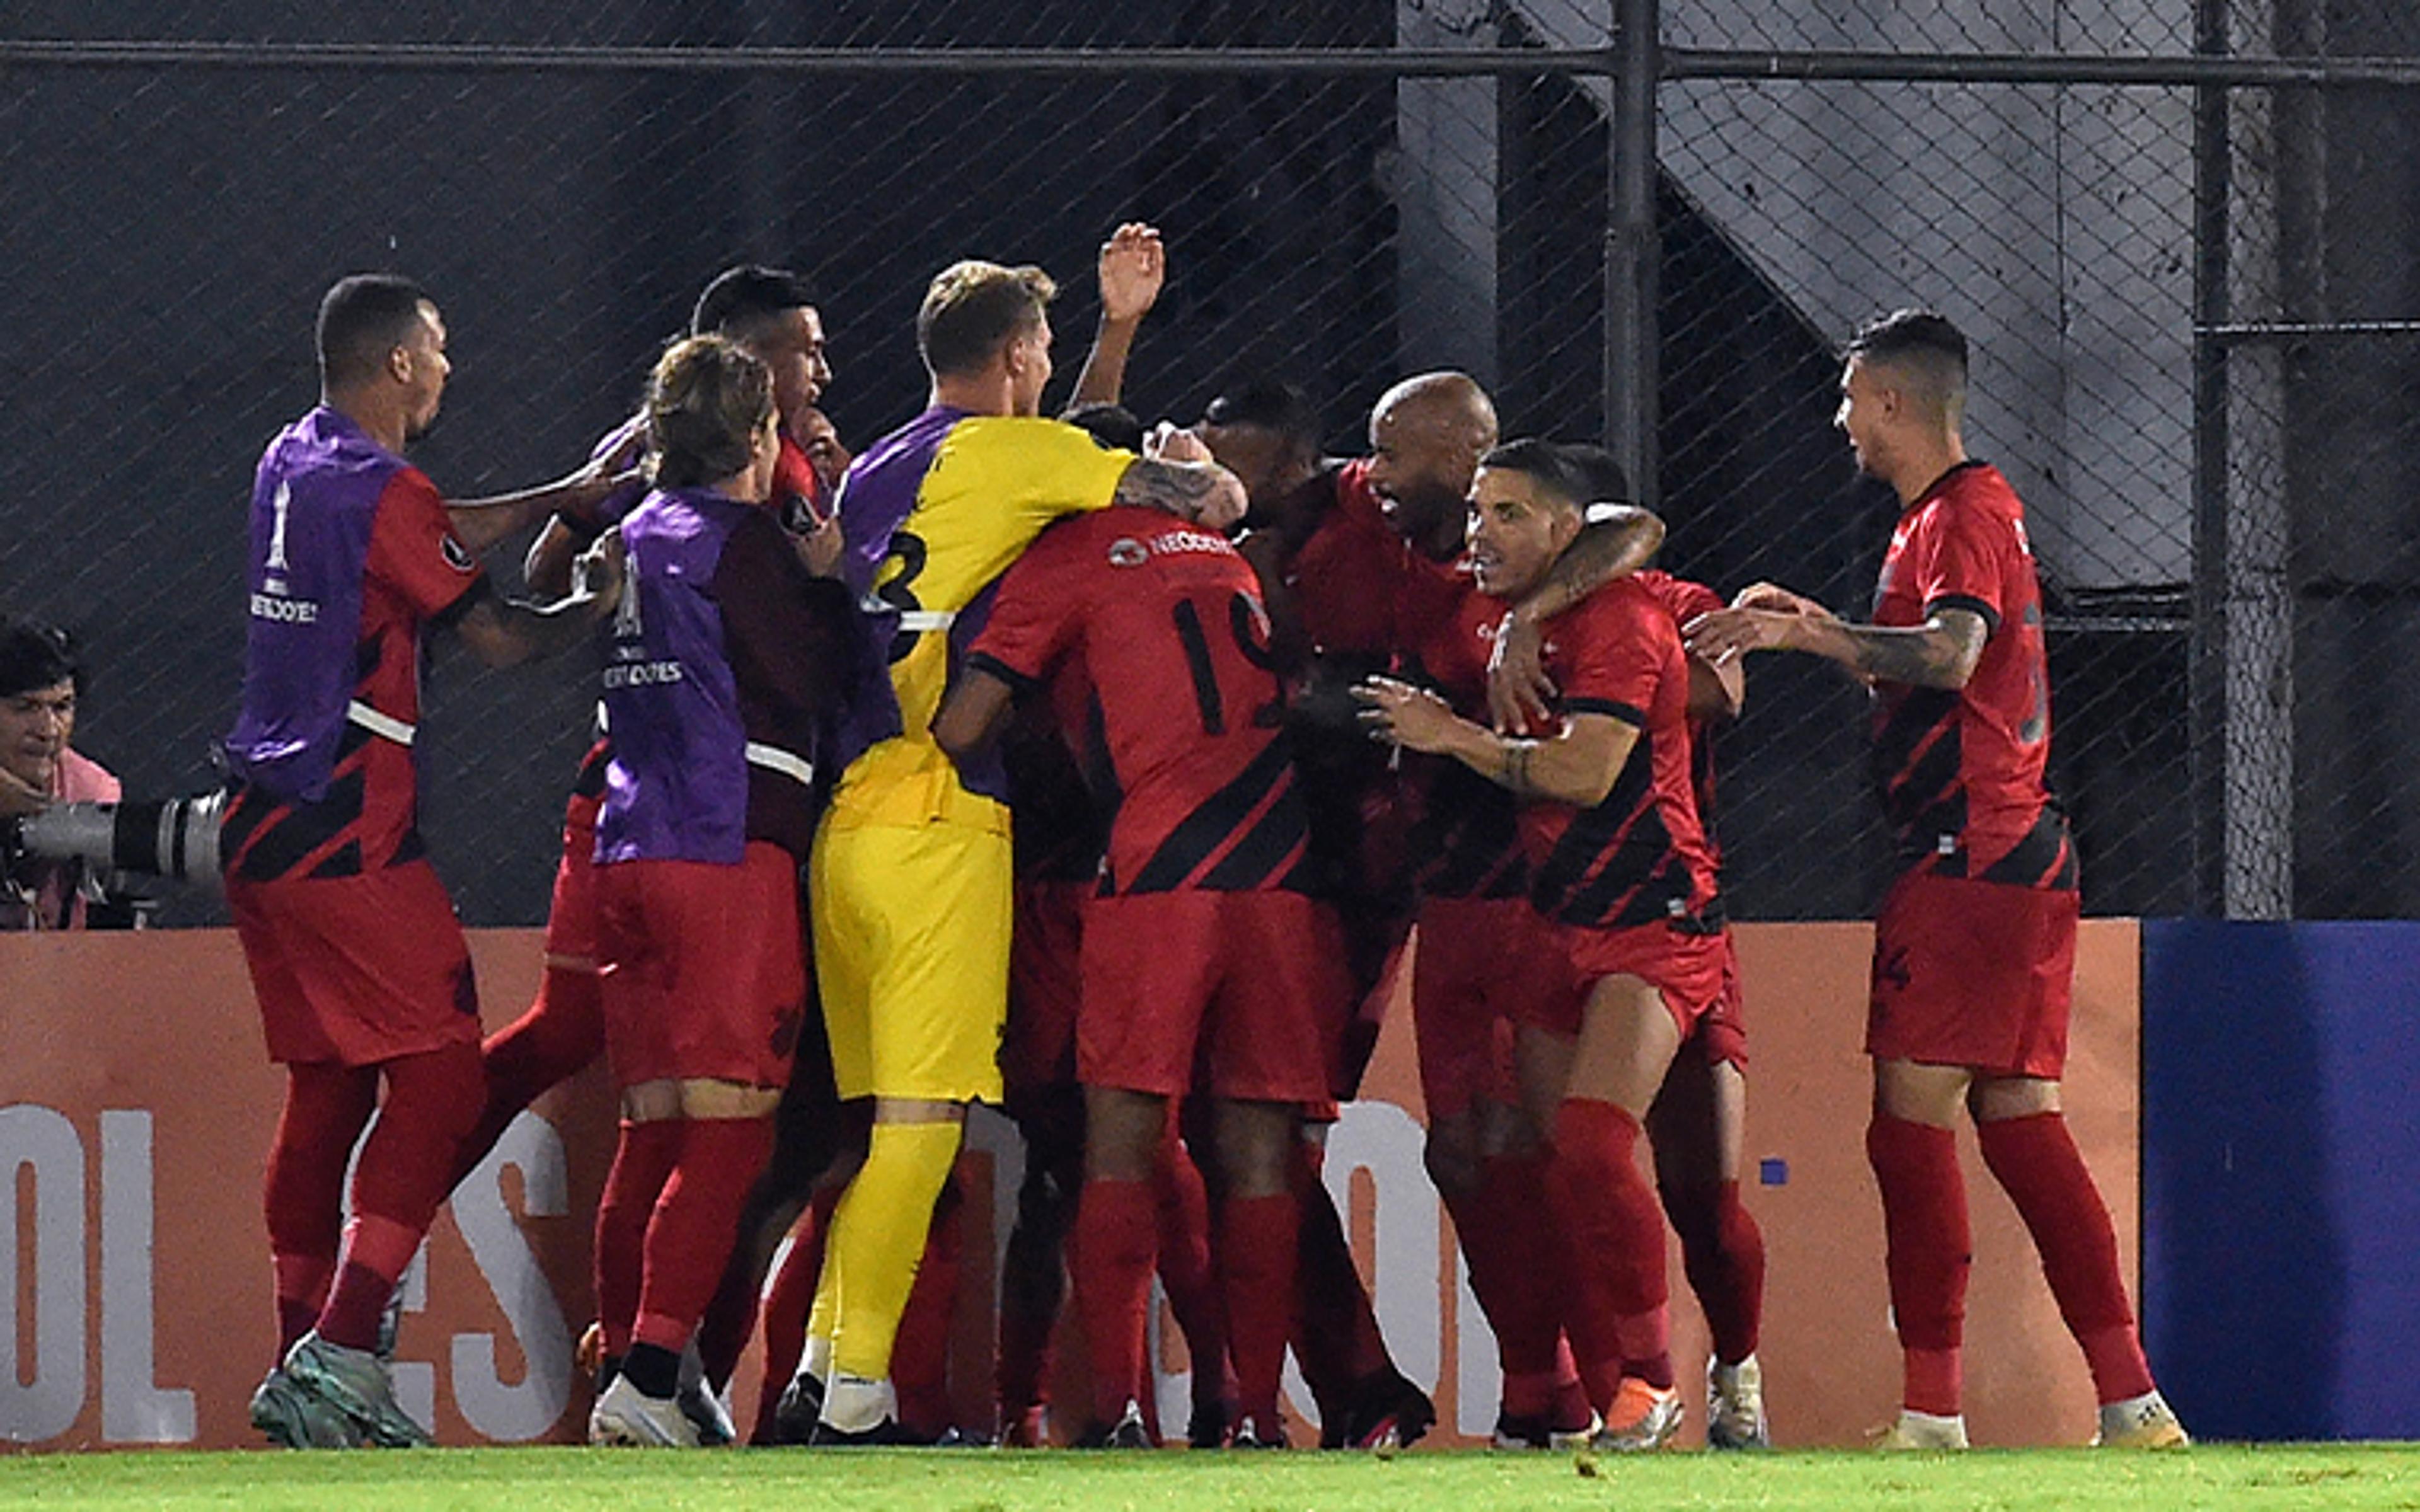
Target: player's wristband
pixel 581 529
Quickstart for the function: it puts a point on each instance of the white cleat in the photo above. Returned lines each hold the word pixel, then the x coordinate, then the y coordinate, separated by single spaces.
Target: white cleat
pixel 1735 1406
pixel 625 1416
pixel 2145 1422
pixel 1922 1431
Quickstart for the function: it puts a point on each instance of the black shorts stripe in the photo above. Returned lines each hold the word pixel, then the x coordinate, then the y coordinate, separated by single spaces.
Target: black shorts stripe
pixel 1207 826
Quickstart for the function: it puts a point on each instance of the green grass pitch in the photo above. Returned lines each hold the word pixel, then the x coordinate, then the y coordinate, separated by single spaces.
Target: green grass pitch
pixel 522 1480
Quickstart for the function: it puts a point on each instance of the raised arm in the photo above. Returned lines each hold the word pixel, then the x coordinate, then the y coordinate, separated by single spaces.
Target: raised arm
pixel 1617 540
pixel 1133 269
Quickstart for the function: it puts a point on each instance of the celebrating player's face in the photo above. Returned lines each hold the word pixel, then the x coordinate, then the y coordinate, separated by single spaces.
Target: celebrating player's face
pixel 1420 467
pixel 1517 529
pixel 792 345
pixel 426 369
pixel 1860 416
pixel 35 726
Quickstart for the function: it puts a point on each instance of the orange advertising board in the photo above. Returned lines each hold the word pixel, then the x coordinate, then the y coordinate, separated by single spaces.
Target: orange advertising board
pixel 136 1108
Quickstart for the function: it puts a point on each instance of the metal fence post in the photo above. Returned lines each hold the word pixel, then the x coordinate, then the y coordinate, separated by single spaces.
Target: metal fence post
pixel 1632 248
pixel 2213 176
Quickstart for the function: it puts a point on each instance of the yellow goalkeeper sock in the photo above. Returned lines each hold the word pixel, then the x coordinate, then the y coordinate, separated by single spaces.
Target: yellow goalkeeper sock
pixel 877 1240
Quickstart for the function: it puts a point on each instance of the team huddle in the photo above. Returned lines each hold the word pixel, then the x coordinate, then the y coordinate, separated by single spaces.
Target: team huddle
pixel 1118 776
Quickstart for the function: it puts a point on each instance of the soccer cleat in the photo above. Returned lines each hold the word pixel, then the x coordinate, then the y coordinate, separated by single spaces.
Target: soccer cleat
pixel 625 1416
pixel 701 1406
pixel 1127 1433
pixel 1642 1417
pixel 1251 1433
pixel 356 1384
pixel 1921 1432
pixel 295 1419
pixel 890 1433
pixel 1735 1406
pixel 800 1408
pixel 1540 1432
pixel 2145 1422
pixel 1387 1411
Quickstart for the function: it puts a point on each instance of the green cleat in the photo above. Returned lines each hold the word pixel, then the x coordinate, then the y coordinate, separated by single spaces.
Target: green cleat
pixel 295 1419
pixel 355 1382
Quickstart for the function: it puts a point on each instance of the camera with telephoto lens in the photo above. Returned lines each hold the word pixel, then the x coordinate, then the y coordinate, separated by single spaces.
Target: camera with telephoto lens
pixel 172 838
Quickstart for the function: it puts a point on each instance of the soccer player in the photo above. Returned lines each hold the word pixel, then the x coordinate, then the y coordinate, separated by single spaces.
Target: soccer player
pixel 1974 943
pixel 911 867
pixel 1621 874
pixel 355 954
pixel 1200 942
pixel 728 661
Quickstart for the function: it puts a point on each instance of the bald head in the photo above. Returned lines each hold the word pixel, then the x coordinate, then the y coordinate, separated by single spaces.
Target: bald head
pixel 1426 435
pixel 1450 406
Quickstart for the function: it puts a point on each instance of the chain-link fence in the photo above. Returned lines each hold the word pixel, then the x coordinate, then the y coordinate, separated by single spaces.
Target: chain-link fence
pixel 2184 298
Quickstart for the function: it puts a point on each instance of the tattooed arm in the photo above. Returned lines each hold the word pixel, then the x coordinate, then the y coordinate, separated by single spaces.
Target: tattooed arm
pixel 1940 653
pixel 1202 492
pixel 1577 765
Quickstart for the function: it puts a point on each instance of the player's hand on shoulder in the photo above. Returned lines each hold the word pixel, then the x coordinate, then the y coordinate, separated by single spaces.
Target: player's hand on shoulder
pixel 1168 441
pixel 1518 690
pixel 1774 599
pixel 1133 269
pixel 598 577
pixel 1398 714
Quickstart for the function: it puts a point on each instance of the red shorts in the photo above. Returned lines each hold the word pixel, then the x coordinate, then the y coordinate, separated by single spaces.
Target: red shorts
pixel 1255 981
pixel 1045 987
pixel 571 915
pixel 1479 968
pixel 356 970
pixel 1976 974
pixel 1685 968
pixel 703 968
pixel 1721 1035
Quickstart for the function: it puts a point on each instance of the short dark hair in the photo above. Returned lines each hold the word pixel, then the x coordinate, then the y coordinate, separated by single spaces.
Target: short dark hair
pixel 706 401
pixel 743 297
pixel 34 655
pixel 1112 425
pixel 1550 465
pixel 1274 405
pixel 1926 347
pixel 972 308
pixel 361 319
pixel 1608 481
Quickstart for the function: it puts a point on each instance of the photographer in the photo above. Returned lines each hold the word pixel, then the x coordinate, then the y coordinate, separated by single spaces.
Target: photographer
pixel 39 681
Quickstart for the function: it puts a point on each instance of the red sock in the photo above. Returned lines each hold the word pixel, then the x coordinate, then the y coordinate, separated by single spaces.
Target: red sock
pixel 404 1172
pixel 695 1224
pixel 2036 1162
pixel 303 1196
pixel 1117 1239
pixel 1570 1409
pixel 1617 1233
pixel 563 1030
pixel 789 1300
pixel 1513 1260
pixel 1255 1245
pixel 920 1354
pixel 1722 1251
pixel 1928 1251
pixel 1186 1271
pixel 642 1161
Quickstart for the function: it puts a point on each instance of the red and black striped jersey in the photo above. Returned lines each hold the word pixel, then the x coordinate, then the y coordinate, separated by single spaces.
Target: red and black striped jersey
pixel 1962 771
pixel 1187 756
pixel 417 573
pixel 1685 600
pixel 1638 857
pixel 1466 837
